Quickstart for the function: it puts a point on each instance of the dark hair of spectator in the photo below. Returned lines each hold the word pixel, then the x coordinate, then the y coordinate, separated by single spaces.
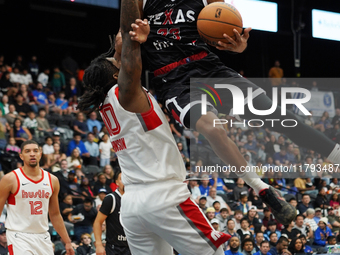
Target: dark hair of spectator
pixel 47 137
pixel 98 80
pixel 88 200
pixel 244 219
pixel 26 143
pixel 259 232
pixel 229 220
pixel 291 246
pixel 272 233
pixel 263 242
pixel 300 215
pixel 282 239
pixel 329 238
pixel 304 195
pixel 271 223
pixel 247 240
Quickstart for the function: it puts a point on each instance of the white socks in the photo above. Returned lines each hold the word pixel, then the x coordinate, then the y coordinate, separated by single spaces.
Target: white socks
pixel 334 157
pixel 253 180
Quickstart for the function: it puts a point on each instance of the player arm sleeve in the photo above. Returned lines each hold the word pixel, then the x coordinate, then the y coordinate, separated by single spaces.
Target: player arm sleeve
pixel 108 205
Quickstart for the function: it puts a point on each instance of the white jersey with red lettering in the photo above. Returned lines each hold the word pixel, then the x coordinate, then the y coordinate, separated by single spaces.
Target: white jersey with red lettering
pixel 28 207
pixel 143 142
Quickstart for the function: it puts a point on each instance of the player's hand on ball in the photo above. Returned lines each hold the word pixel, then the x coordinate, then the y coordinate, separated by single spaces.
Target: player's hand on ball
pixel 238 45
pixel 141 30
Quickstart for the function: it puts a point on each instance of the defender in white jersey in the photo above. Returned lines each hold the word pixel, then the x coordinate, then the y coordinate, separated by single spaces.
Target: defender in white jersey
pixel 31 194
pixel 156 209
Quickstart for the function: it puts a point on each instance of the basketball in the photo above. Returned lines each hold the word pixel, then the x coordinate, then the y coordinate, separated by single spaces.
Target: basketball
pixel 216 19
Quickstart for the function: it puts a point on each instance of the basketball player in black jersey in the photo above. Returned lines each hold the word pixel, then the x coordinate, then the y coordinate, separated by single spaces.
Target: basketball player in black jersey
pixel 116 243
pixel 176 53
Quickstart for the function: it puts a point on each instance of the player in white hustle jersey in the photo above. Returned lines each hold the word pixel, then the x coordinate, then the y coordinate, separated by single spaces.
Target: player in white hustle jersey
pixel 157 211
pixel 31 194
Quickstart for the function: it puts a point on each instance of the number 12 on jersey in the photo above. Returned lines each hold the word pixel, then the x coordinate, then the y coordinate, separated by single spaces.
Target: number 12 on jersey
pixel 35 207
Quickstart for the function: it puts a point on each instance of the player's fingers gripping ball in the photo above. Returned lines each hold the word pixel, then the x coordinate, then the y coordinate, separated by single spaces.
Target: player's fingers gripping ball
pixel 217 19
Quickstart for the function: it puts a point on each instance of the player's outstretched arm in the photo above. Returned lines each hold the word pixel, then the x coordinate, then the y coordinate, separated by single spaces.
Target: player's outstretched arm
pixel 6 186
pixel 97 230
pixel 131 94
pixel 55 216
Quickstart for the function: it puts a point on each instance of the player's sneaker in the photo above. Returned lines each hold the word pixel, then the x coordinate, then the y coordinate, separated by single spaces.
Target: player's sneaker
pixel 284 212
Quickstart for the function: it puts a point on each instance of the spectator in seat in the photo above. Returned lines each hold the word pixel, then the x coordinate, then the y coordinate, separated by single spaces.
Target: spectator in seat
pixel 252 219
pixel 72 89
pixel 202 203
pixel 85 247
pixel 40 97
pixel 234 244
pixel 242 204
pixel 80 126
pixel 310 213
pixel 213 197
pixel 268 216
pixel 303 228
pixel 205 185
pixel 93 150
pixel 272 239
pixel 52 107
pixel 21 107
pixel 3 240
pixel 238 216
pixel 85 226
pixel 93 122
pixel 194 189
pixel 322 232
pixel 305 204
pixel 210 213
pixel 86 189
pixel 244 230
pixel 62 103
pixel 334 201
pixel 43 125
pixel 99 199
pixel 101 184
pixel 12 115
pixel 105 149
pixel 109 174
pixel 307 249
pixel 58 82
pixel 31 123
pixel 223 217
pixel 248 245
pixel 290 231
pixel 281 246
pixel 239 188
pixel 26 78
pixel 43 77
pixel 74 161
pixel 221 189
pixel 12 147
pixel 321 199
pixel 215 224
pixel 334 220
pixel 54 160
pixel 296 246
pixel 28 97
pixel 230 228
pixel 56 139
pixel 77 143
pixel 272 229
pixel 264 249
pixel 62 176
pixel 66 207
pixel 20 133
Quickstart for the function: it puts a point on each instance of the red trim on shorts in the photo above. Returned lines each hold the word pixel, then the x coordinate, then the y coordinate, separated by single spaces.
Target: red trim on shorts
pixel 150 117
pixel 168 68
pixel 42 176
pixel 10 249
pixel 192 211
pixel 49 177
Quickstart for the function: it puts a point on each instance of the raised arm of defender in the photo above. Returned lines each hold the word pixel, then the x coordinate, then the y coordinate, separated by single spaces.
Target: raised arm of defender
pixel 131 94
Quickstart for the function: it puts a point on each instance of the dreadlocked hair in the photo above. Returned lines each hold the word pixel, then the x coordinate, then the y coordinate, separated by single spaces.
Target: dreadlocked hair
pixel 98 80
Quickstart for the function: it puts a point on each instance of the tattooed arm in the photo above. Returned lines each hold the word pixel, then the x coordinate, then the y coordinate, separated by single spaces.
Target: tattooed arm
pixel 131 94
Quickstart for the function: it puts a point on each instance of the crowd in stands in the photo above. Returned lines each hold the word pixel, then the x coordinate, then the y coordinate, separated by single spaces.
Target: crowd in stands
pixel 39 103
